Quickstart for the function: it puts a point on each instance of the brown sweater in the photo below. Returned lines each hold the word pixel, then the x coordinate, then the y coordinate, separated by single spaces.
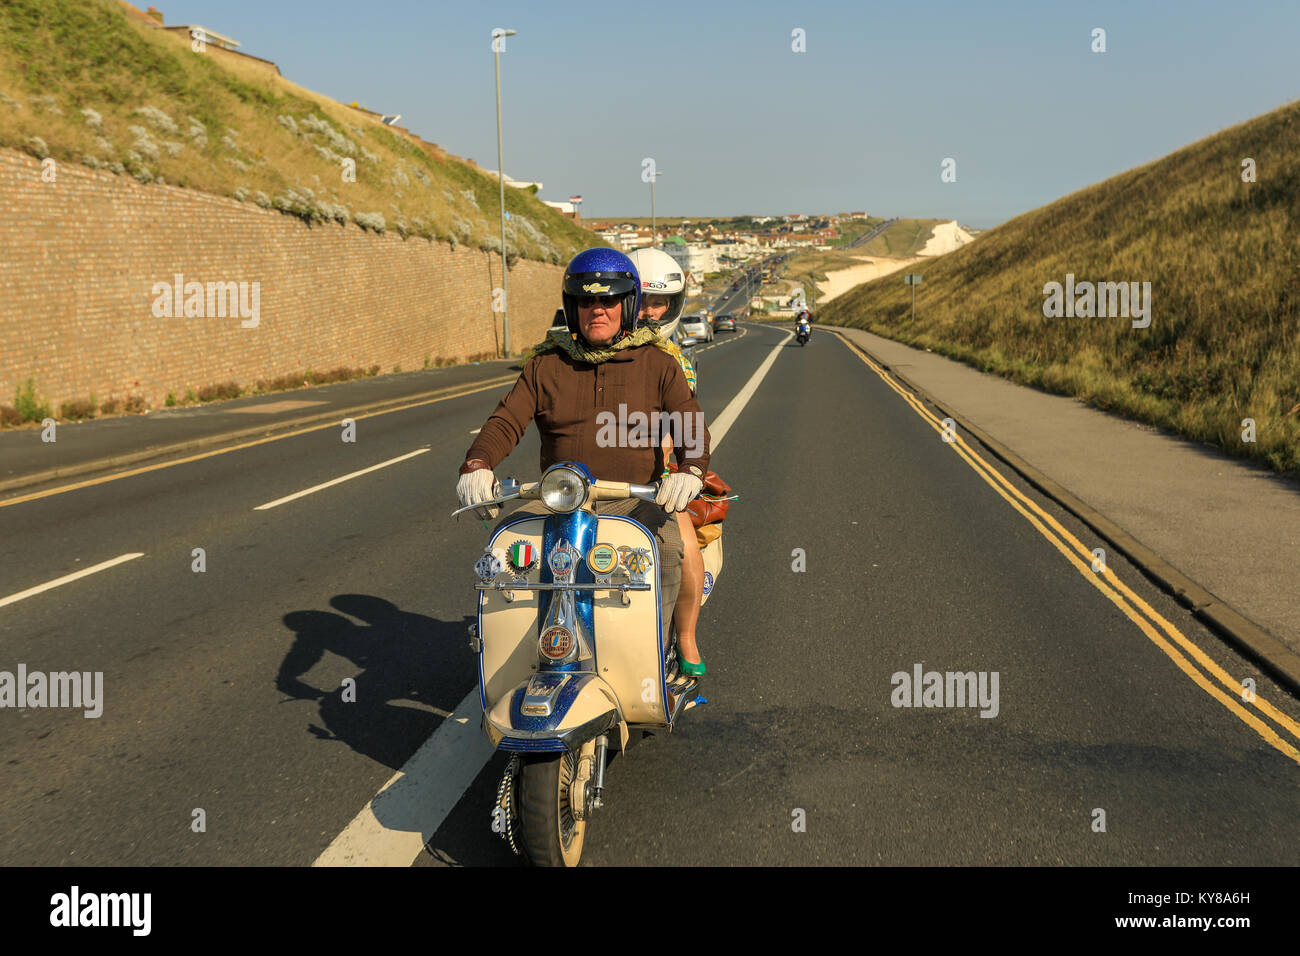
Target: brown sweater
pixel 576 407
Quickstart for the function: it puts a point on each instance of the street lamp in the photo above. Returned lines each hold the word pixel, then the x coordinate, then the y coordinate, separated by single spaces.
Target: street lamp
pixel 498 41
pixel 654 226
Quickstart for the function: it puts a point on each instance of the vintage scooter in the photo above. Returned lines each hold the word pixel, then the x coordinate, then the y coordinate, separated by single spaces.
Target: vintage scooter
pixel 574 657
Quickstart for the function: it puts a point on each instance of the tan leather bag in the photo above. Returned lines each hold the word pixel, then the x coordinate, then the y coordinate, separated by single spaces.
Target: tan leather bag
pixel 704 512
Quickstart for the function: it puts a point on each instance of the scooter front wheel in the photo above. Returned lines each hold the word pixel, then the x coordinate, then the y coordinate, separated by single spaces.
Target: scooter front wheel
pixel 551 834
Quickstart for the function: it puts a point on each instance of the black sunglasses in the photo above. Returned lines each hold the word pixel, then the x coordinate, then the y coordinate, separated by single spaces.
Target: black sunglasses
pixel 587 301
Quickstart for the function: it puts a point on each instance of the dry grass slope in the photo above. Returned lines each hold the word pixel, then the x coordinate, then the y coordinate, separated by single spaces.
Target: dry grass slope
pixel 80 82
pixel 904 238
pixel 1223 260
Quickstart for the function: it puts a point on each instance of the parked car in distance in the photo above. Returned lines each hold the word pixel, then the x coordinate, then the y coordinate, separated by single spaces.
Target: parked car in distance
pixel 697 326
pixel 726 323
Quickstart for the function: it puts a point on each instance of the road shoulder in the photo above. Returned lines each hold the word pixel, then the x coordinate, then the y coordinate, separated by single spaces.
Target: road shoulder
pixel 1215 532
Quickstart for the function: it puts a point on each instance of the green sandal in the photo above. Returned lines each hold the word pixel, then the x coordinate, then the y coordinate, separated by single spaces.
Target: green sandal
pixel 687 668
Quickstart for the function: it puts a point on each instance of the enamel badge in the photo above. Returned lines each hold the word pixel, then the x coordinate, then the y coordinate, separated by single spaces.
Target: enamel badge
pixel 556 642
pixel 637 561
pixel 563 557
pixel 602 559
pixel 488 566
pixel 522 556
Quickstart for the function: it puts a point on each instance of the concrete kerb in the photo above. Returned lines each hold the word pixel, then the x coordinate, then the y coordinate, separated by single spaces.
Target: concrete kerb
pixel 256 431
pixel 1255 642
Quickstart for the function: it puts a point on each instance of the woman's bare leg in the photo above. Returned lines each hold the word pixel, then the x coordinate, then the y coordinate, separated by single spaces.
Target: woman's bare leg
pixel 687 612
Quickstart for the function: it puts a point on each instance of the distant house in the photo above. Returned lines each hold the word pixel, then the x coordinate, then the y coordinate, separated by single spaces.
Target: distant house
pixel 212 40
pixel 512 182
pixel 563 208
pixel 696 259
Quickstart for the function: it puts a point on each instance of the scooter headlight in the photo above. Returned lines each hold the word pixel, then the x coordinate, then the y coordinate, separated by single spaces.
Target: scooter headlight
pixel 564 489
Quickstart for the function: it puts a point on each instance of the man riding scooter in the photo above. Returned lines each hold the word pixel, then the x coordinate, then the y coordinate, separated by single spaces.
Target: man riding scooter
pixel 604 358
pixel 803 326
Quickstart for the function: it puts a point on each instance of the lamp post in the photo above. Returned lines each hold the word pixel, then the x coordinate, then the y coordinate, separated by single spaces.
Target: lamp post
pixel 654 225
pixel 498 42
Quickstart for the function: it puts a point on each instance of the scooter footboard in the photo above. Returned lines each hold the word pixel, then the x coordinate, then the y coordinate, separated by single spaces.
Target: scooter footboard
pixel 553 712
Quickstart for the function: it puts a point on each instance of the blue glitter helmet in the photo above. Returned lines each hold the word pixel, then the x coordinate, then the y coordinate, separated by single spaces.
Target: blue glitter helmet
pixel 602 272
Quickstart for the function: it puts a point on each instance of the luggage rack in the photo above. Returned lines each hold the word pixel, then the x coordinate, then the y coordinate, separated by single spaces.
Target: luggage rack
pixel 507 588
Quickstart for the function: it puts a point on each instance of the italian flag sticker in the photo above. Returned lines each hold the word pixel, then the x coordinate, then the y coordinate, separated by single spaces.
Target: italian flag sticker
pixel 522 555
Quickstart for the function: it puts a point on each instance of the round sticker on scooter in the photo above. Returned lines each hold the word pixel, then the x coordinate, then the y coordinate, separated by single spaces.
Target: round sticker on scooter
pixel 602 559
pixel 708 582
pixel 555 643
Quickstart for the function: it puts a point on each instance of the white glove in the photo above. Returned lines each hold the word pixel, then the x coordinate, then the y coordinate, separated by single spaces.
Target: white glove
pixel 478 486
pixel 677 491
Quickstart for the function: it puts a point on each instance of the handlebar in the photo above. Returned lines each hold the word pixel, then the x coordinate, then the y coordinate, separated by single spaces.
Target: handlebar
pixel 511 490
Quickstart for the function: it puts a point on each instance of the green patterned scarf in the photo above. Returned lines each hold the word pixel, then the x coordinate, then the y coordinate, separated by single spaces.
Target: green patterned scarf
pixel 564 340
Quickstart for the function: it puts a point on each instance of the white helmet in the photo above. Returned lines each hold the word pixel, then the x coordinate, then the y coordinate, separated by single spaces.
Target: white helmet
pixel 661 275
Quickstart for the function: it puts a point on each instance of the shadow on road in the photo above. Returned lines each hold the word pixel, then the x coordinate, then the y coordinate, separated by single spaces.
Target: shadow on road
pixel 403 660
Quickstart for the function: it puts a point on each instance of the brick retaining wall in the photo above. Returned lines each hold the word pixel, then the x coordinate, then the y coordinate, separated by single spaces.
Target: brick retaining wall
pixel 80 257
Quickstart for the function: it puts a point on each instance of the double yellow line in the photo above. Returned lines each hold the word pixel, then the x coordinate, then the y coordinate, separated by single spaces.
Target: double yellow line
pixel 1231 694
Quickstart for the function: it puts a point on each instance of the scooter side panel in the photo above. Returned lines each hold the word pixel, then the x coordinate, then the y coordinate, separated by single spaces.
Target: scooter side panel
pixel 629 640
pixel 712 555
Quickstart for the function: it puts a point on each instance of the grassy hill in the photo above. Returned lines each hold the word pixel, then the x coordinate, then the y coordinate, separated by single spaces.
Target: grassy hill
pixel 850 229
pixel 809 268
pixel 83 82
pixel 904 238
pixel 1223 260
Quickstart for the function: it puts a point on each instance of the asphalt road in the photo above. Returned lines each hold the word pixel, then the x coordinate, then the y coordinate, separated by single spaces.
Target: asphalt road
pixel 737 301
pixel 222 687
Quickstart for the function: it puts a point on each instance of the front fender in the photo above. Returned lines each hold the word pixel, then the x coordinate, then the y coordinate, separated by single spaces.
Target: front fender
pixel 583 708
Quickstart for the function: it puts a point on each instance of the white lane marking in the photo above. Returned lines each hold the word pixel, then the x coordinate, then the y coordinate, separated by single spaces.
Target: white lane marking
pixel 392 829
pixel 336 481
pixel 715 344
pixel 102 566
pixel 722 424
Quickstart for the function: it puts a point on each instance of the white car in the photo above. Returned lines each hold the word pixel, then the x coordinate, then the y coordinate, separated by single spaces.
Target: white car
pixel 698 327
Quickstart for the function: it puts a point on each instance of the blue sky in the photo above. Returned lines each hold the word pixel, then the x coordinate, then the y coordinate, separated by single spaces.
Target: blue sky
pixel 740 123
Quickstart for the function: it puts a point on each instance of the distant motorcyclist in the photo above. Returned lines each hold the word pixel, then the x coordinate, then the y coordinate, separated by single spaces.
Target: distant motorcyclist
pixel 803 326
